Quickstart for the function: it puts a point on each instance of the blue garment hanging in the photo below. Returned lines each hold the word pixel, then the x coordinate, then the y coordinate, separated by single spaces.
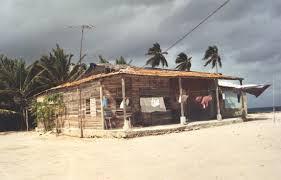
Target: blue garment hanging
pixel 105 102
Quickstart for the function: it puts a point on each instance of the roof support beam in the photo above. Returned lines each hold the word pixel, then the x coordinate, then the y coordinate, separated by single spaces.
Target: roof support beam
pixel 219 117
pixel 183 119
pixel 101 105
pixel 80 113
pixel 127 124
pixel 243 115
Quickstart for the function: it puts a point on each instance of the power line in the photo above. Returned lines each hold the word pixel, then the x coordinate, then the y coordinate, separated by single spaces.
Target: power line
pixel 205 19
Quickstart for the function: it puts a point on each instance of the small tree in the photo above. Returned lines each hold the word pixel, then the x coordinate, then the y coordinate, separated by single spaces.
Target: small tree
pixel 48 111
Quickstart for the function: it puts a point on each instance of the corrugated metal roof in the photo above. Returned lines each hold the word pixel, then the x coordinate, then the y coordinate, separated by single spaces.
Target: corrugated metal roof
pixel 150 72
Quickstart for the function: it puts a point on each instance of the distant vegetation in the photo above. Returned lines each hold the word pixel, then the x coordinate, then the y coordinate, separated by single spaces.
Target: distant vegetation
pixel 20 82
pixel 122 61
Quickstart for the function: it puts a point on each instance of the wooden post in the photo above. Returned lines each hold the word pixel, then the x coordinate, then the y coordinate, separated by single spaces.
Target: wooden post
pixel 243 115
pixel 126 122
pixel 182 118
pixel 218 100
pixel 80 115
pixel 101 106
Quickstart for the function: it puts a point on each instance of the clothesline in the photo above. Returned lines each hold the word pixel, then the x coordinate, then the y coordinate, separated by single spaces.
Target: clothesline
pixel 198 91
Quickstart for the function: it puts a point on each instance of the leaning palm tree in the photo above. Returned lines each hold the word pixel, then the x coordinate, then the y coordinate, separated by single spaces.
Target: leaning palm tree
pixel 57 68
pixel 157 56
pixel 184 62
pixel 212 57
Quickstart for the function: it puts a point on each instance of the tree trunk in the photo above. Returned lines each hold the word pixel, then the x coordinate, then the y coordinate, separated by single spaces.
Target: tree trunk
pixel 26 119
pixel 219 117
pixel 45 125
pixel 23 114
pixel 217 71
pixel 57 124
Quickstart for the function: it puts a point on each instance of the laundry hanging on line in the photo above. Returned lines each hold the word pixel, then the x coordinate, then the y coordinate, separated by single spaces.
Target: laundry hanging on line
pixel 204 100
pixel 183 98
pixel 152 104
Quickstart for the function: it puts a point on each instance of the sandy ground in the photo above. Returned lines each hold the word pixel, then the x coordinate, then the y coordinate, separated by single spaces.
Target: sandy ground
pixel 250 150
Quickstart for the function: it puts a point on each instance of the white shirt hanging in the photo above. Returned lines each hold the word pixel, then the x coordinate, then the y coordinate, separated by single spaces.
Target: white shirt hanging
pixel 179 99
pixel 122 103
pixel 155 102
pixel 223 96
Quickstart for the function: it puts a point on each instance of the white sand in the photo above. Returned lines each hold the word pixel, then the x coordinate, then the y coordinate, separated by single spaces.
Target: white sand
pixel 250 150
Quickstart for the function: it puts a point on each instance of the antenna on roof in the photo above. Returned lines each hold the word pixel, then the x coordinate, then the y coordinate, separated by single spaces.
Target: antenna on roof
pixel 83 26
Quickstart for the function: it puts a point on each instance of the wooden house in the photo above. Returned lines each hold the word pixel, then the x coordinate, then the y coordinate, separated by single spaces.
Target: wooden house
pixel 128 97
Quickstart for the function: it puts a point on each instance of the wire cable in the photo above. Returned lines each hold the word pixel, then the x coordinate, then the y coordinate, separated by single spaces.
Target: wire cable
pixel 201 22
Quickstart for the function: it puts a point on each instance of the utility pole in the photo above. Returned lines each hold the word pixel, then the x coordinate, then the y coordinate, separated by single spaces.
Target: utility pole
pixel 81 113
pixel 273 99
pixel 83 27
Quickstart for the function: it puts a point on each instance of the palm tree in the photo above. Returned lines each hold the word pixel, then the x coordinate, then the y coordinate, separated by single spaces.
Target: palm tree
pixel 122 61
pixel 102 60
pixel 57 68
pixel 18 83
pixel 184 62
pixel 157 56
pixel 212 56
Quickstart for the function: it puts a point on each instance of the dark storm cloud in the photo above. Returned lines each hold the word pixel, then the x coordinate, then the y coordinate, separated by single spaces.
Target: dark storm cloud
pixel 247 32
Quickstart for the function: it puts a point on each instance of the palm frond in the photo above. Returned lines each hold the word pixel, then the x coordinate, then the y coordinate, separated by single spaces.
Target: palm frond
pixel 157 56
pixel 212 56
pixel 208 53
pixel 183 61
pixel 219 61
pixel 214 62
pixel 7 112
pixel 102 60
pixel 208 62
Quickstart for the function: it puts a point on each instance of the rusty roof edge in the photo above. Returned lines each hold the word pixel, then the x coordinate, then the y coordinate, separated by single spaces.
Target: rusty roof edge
pixel 77 82
pixel 128 71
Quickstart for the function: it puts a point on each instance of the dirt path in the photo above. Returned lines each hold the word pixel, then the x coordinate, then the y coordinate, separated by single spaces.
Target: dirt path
pixel 250 150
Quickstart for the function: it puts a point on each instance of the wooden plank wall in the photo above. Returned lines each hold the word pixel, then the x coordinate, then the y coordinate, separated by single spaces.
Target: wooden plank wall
pixel 71 118
pixel 71 99
pixel 150 87
pixel 140 83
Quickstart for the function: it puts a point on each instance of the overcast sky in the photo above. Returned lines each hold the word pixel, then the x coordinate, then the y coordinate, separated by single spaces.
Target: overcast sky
pixel 247 32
